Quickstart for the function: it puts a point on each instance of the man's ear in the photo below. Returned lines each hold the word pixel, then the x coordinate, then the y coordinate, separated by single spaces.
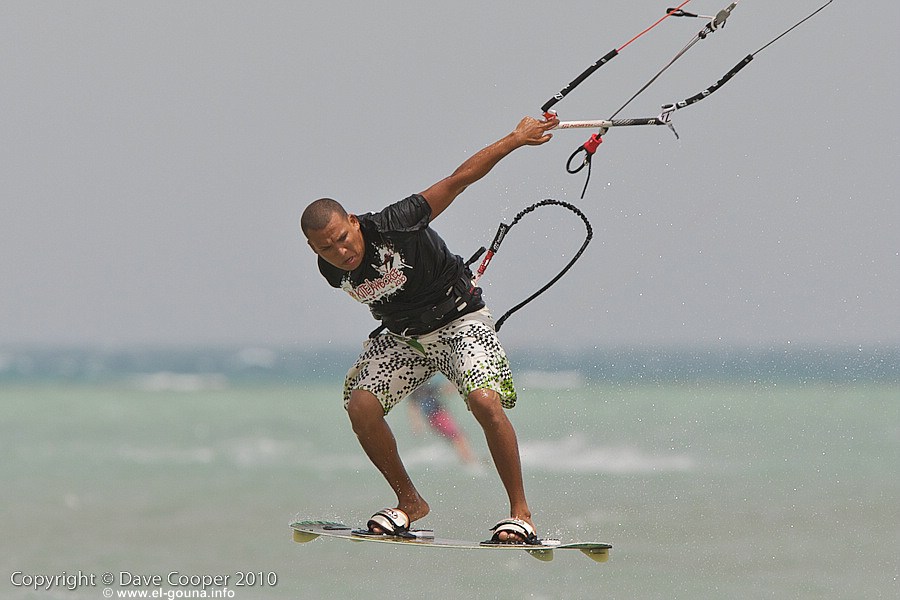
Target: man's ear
pixel 309 243
pixel 353 220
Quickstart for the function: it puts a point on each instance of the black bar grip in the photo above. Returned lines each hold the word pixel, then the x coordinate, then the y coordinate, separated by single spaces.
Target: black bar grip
pixel 574 83
pixel 716 85
pixel 641 121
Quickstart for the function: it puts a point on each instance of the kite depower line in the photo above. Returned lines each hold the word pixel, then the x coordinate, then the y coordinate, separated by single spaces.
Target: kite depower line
pixel 715 23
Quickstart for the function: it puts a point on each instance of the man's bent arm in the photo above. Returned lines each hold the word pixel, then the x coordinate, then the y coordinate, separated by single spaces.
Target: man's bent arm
pixel 529 132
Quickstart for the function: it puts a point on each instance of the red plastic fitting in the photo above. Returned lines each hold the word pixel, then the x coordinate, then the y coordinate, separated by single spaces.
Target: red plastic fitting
pixel 592 144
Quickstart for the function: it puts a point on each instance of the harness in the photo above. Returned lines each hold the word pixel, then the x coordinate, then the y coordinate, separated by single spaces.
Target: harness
pixel 465 294
pixel 459 299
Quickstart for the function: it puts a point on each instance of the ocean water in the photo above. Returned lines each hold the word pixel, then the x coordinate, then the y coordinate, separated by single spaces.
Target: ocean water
pixel 705 490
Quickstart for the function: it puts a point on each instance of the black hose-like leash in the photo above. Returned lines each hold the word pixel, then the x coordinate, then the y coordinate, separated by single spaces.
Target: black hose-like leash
pixel 498 239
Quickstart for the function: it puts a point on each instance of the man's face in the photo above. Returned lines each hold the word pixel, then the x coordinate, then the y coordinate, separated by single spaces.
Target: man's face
pixel 340 242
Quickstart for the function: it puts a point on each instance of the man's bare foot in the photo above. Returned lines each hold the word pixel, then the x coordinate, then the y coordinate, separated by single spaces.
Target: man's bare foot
pixel 515 533
pixel 413 511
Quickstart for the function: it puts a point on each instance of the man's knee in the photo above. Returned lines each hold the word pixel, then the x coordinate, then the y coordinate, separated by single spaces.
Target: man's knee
pixel 363 408
pixel 485 404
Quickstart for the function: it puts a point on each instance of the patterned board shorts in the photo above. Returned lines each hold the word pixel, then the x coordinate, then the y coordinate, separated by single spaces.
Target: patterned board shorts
pixel 466 351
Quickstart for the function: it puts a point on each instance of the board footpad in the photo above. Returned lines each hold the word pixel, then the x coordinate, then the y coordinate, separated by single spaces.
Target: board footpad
pixel 413 534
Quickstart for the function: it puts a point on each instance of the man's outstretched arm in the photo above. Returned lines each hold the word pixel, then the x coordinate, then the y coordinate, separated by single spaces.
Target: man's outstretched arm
pixel 529 132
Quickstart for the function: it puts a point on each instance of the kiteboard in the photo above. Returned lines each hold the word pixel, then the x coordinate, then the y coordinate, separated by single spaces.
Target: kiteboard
pixel 307 531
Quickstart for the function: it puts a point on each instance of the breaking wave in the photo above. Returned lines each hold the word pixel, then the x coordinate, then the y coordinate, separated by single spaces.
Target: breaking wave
pixel 577 454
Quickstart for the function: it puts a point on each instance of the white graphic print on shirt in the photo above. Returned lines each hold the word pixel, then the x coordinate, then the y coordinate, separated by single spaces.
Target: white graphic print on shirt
pixel 390 268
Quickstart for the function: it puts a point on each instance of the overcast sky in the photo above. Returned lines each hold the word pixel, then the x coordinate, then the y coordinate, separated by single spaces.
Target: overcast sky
pixel 157 155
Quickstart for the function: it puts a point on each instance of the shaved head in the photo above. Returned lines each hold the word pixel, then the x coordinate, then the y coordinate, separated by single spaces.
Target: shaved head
pixel 318 214
pixel 333 234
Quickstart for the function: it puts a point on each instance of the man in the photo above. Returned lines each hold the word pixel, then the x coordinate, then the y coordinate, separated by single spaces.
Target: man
pixel 433 318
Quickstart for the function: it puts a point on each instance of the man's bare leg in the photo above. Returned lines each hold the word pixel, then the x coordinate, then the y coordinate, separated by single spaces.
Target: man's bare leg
pixel 504 448
pixel 378 442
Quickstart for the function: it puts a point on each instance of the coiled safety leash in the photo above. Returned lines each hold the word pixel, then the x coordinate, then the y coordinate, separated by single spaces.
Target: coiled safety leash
pixel 503 229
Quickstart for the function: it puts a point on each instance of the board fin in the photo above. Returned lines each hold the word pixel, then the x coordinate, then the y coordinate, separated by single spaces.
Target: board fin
pixel 596 554
pixel 544 554
pixel 302 537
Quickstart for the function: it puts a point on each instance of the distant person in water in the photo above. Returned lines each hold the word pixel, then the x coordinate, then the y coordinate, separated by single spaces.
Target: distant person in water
pixel 425 405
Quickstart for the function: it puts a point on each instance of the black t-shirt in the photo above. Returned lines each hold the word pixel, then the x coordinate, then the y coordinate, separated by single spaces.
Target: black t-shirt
pixel 407 269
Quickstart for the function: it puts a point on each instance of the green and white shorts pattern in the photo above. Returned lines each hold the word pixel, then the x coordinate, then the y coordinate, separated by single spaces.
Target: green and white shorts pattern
pixel 466 351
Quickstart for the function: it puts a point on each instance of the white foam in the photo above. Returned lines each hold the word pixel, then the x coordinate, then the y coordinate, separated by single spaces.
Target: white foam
pixel 574 454
pixel 550 380
pixel 257 357
pixel 251 452
pixel 577 454
pixel 165 381
pixel 430 455
pixel 157 455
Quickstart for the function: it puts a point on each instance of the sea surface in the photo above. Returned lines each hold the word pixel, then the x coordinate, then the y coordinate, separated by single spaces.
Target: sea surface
pixel 738 488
